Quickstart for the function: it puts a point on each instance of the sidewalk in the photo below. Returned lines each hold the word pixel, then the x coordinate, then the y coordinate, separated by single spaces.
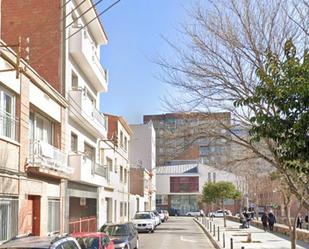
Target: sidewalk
pixel 260 239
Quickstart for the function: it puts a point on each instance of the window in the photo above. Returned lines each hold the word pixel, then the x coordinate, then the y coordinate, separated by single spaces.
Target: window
pixel 74 143
pixel 121 209
pixel 41 128
pixel 125 209
pixel 125 143
pixel 121 173
pixel 8 218
pixel 53 215
pixel 116 166
pixel 74 20
pixel 125 175
pixel 109 164
pixel 115 210
pixel 74 81
pixel 121 139
pixel 209 176
pixel 89 153
pixel 7 121
pixel 184 184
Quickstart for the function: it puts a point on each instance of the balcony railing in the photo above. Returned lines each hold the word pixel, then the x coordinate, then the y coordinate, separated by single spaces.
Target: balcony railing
pixel 8 126
pixel 80 103
pixel 101 170
pixel 47 156
pixel 84 52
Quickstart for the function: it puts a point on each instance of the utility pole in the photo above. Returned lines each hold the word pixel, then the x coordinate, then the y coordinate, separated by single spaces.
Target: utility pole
pixel 17 66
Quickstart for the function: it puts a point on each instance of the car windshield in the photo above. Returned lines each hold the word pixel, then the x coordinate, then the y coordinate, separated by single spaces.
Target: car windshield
pixel 142 216
pixel 88 242
pixel 116 230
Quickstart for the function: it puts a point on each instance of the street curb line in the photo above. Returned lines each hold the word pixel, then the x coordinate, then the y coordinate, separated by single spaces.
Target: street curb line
pixel 213 241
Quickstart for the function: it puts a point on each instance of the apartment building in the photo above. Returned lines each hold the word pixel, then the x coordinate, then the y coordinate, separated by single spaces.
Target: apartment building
pixel 141 190
pixel 66 53
pixel 178 133
pixel 143 166
pixel 33 160
pixel 115 193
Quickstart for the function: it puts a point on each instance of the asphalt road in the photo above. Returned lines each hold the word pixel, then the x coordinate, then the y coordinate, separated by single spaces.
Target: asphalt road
pixel 176 233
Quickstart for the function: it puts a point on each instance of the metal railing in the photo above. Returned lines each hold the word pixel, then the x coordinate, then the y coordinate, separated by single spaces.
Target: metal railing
pixel 83 224
pixel 90 111
pixel 42 154
pixel 9 126
pixel 101 170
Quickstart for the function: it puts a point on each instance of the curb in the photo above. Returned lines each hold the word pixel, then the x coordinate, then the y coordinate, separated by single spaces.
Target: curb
pixel 213 241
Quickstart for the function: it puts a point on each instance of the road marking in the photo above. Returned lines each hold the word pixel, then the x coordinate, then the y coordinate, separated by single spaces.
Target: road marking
pixel 187 240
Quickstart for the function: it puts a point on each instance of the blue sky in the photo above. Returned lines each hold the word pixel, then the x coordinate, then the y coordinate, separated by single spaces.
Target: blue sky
pixel 135 29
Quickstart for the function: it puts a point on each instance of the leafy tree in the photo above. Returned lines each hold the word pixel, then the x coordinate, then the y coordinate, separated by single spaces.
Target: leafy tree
pixel 218 192
pixel 283 91
pixel 283 120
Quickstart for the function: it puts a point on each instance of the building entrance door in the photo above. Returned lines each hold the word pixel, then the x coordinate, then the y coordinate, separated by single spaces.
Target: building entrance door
pixel 109 210
pixel 36 214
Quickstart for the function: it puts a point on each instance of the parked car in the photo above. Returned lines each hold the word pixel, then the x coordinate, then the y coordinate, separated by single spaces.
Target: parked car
pixel 95 240
pixel 162 215
pixel 157 217
pixel 174 212
pixel 144 221
pixel 219 213
pixel 195 213
pixel 46 242
pixel 167 215
pixel 124 235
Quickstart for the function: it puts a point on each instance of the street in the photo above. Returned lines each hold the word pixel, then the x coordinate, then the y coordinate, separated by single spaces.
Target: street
pixel 180 233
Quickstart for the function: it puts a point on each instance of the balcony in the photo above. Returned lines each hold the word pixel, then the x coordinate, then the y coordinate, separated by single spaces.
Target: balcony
pixel 84 113
pixel 84 53
pixel 46 159
pixel 87 171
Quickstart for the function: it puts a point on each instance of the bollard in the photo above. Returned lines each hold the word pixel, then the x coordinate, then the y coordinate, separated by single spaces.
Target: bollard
pixel 214 230
pixel 242 247
pixel 218 233
pixel 232 246
pixel 223 240
pixel 210 227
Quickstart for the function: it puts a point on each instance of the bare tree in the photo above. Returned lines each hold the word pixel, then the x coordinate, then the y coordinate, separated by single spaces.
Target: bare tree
pixel 224 44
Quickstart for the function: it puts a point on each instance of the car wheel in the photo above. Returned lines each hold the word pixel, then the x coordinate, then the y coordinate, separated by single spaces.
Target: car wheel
pixel 152 231
pixel 189 215
pixel 127 246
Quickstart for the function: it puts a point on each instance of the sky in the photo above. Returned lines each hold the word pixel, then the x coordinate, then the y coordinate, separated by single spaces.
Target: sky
pixel 135 29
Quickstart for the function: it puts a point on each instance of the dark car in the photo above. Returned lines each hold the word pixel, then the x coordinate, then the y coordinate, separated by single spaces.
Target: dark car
pixel 94 240
pixel 46 242
pixel 124 235
pixel 174 212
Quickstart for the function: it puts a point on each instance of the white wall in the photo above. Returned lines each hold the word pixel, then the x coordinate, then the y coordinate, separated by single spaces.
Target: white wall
pixel 143 145
pixel 163 180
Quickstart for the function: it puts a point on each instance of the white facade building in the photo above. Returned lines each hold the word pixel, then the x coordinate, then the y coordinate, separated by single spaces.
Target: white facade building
pixel 143 155
pixel 180 186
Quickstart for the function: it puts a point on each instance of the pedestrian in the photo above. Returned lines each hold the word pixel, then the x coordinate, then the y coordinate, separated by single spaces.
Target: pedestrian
pixel 299 221
pixel 271 221
pixel 264 219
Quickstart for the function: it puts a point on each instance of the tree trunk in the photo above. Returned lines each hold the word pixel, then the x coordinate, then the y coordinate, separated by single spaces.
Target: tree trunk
pixel 224 216
pixel 294 234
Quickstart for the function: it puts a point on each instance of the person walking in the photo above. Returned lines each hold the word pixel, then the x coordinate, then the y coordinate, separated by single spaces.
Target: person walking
pixel 271 221
pixel 264 219
pixel 299 222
